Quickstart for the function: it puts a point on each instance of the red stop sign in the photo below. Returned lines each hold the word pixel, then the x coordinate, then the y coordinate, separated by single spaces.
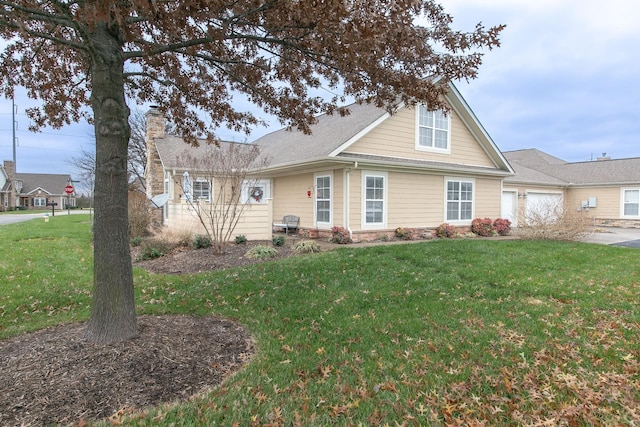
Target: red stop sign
pixel 68 189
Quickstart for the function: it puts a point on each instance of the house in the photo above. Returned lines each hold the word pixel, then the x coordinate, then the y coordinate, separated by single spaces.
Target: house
pixel 607 191
pixel 34 190
pixel 369 172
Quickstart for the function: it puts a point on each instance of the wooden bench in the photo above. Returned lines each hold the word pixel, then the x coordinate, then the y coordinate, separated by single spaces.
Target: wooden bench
pixel 289 222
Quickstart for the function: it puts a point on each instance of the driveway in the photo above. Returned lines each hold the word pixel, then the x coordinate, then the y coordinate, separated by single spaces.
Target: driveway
pixel 628 237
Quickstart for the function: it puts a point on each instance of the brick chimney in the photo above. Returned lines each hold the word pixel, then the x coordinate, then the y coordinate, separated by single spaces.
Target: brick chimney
pixel 10 169
pixel 154 178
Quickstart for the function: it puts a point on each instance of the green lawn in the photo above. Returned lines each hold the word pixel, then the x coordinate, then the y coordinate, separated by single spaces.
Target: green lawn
pixel 434 333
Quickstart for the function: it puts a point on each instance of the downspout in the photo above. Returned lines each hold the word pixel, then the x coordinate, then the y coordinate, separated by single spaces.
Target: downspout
pixel 347 198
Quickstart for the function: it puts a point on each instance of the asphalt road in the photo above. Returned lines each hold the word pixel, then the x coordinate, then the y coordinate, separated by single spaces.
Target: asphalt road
pixel 13 218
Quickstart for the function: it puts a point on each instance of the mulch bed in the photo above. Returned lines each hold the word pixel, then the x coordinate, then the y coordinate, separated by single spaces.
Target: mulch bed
pixel 53 376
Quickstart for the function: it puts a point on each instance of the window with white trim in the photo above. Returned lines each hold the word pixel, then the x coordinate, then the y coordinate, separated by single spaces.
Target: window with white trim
pixel 374 199
pixel 433 130
pixel 323 199
pixel 459 200
pixel 256 191
pixel 631 202
pixel 39 201
pixel 201 189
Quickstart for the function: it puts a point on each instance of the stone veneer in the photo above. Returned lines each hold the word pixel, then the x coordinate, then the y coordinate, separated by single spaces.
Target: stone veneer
pixel 155 175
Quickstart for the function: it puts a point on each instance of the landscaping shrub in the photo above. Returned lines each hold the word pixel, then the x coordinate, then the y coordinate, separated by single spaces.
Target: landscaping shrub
pixel 137 241
pixel 554 223
pixel 340 235
pixel 153 248
pixel 277 240
pixel 306 246
pixel 201 241
pixel 138 214
pixel 261 252
pixel 502 226
pixel 241 239
pixel 482 227
pixel 405 233
pixel 446 231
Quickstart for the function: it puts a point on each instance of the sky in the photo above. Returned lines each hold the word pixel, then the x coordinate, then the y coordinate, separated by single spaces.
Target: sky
pixel 566 80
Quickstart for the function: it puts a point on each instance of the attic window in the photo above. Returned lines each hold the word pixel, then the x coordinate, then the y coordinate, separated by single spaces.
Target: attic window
pixel 433 130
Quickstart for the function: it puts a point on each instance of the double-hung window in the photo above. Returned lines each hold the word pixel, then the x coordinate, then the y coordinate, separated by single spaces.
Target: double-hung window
pixel 201 190
pixel 631 202
pixel 459 200
pixel 374 199
pixel 434 130
pixel 323 199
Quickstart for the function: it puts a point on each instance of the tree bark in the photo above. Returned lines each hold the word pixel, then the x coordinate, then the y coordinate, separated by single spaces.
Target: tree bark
pixel 113 315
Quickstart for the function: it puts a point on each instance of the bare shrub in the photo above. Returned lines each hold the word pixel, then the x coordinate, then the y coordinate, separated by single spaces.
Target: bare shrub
pixel 139 216
pixel 553 222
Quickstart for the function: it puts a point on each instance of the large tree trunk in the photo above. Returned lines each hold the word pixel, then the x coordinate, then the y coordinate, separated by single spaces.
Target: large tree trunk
pixel 113 315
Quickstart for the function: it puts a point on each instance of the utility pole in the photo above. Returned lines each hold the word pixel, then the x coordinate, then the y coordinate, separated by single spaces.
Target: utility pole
pixel 13 129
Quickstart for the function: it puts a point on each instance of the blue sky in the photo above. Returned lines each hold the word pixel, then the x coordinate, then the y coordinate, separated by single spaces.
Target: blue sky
pixel 566 80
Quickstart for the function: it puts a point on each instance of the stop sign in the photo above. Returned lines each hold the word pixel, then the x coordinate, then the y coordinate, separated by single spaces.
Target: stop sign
pixel 68 189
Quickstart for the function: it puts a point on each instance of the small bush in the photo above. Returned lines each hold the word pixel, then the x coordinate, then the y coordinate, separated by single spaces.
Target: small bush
pixel 554 223
pixel 306 247
pixel 201 241
pixel 502 226
pixel 482 227
pixel 137 241
pixel 446 231
pixel 405 233
pixel 153 248
pixel 340 235
pixel 277 240
pixel 261 252
pixel 241 239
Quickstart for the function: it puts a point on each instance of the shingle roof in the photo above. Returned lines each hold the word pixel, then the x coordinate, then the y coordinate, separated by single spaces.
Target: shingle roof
pixel 288 146
pixel 536 167
pixel 50 183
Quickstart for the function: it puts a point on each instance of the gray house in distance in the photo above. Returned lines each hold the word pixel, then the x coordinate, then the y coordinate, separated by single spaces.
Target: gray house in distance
pixel 35 191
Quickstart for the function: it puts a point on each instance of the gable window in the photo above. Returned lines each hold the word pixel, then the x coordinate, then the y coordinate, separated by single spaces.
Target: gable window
pixel 202 189
pixel 323 199
pixel 631 202
pixel 459 200
pixel 434 130
pixel 374 199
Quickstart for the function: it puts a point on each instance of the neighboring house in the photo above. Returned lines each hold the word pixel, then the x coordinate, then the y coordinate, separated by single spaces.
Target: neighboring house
pixel 605 190
pixel 34 190
pixel 369 172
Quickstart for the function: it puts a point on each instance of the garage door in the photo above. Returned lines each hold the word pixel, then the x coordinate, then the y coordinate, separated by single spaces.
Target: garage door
pixel 543 207
pixel 509 199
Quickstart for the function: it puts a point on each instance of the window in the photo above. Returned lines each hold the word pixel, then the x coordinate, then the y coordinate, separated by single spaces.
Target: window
pixel 201 190
pixel 433 130
pixel 631 202
pixel 39 201
pixel 459 200
pixel 323 199
pixel 256 191
pixel 374 199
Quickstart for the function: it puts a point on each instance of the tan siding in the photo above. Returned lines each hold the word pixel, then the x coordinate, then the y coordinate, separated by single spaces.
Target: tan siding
pixel 290 198
pixel 488 198
pixel 607 201
pixel 255 222
pixel 415 200
pixel 395 137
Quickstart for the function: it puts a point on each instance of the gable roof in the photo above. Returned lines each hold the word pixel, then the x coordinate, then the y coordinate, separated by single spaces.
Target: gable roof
pixel 536 167
pixel 49 183
pixel 332 134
